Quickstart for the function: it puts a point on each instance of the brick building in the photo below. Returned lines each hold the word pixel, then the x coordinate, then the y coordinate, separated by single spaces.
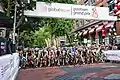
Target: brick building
pixel 94 31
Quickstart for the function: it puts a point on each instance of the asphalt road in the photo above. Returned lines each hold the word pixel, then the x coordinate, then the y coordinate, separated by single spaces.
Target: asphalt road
pixel 102 71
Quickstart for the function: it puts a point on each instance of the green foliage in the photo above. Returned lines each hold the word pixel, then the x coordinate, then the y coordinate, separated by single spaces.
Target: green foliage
pixel 60 27
pixel 40 36
pixel 26 38
pixel 63 27
pixel 57 27
pixel 37 38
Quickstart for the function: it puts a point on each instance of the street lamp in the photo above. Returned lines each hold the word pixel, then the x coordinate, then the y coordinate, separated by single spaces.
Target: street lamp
pixel 14 24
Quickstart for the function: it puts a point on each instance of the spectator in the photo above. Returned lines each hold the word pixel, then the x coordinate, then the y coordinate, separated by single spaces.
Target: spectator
pixel 20 56
pixel 3 47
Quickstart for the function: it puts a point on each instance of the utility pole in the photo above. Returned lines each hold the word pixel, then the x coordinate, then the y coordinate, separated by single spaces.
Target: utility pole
pixel 14 24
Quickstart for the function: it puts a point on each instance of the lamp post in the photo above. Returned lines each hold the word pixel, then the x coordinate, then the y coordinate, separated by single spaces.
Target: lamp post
pixel 14 24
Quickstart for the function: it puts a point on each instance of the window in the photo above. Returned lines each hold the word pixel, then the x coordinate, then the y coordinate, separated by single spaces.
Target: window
pixel 86 2
pixel 77 23
pixel 118 39
pixel 80 23
pixel 87 21
pixel 110 1
pixel 92 2
pixel 111 5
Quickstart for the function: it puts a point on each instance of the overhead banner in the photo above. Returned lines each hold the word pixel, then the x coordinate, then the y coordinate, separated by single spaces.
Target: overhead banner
pixel 72 11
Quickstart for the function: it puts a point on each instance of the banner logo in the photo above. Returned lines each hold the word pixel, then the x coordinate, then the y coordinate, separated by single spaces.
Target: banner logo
pixel 94 13
pixel 43 9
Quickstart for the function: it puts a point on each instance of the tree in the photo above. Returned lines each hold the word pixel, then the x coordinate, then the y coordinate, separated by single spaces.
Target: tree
pixel 26 38
pixel 40 36
pixel 32 26
pixel 9 8
pixel 59 27
pixel 64 28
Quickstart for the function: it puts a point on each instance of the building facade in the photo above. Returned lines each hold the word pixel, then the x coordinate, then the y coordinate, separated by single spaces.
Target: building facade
pixel 93 31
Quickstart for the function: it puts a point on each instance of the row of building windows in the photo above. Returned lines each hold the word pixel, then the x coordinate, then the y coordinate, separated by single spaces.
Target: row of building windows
pixel 110 3
pixel 91 2
pixel 86 2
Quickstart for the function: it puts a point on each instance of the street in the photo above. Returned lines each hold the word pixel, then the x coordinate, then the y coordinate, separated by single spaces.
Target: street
pixel 59 39
pixel 101 71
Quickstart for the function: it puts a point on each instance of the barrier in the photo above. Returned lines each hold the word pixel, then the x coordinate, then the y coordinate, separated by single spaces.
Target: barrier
pixel 113 55
pixel 15 65
pixel 9 66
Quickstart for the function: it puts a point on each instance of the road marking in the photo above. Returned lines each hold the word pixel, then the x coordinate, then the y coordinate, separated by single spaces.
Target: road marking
pixel 109 66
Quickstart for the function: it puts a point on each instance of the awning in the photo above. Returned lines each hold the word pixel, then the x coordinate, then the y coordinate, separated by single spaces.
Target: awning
pixel 85 33
pixel 99 28
pixel 109 25
pixel 92 30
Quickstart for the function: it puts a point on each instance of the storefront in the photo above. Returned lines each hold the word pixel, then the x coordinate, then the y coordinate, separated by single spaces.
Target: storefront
pixel 102 32
pixel 109 32
pixel 105 32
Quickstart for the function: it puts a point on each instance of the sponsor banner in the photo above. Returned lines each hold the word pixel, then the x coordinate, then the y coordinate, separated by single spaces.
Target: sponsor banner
pixel 5 65
pixel 112 55
pixel 9 66
pixel 59 10
pixel 15 65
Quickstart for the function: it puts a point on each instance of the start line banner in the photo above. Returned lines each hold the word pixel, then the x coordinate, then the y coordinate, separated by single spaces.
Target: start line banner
pixel 113 55
pixel 60 10
pixel 9 66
